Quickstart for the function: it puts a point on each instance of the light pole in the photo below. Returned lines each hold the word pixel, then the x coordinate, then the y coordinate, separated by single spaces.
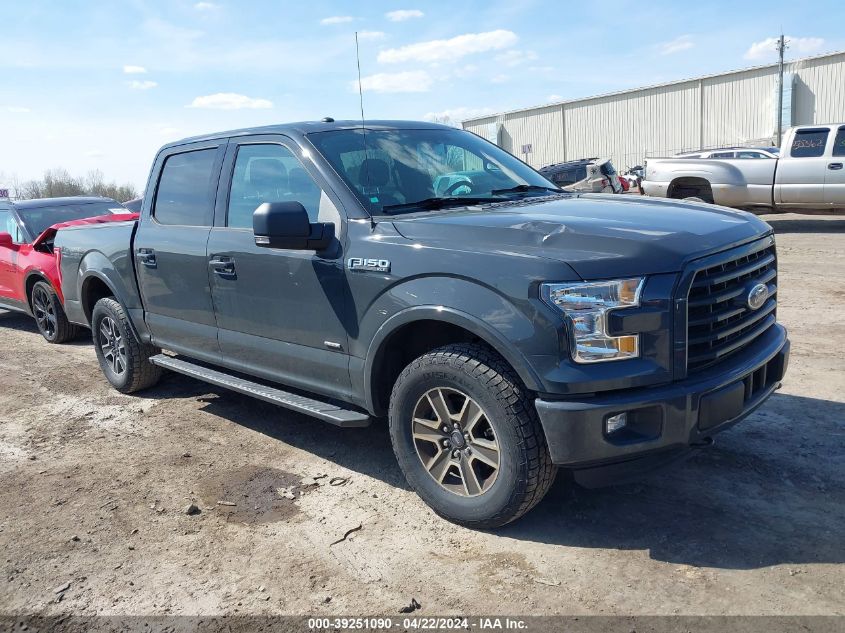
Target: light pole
pixel 781 48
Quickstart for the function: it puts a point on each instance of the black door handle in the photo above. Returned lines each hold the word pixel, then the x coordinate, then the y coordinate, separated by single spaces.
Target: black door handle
pixel 223 266
pixel 147 257
pixel 834 165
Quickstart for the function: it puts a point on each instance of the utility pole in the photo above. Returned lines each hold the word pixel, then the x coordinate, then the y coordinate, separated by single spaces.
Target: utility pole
pixel 781 48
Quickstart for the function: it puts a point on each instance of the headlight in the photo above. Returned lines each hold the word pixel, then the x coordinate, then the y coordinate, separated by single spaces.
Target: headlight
pixel 586 306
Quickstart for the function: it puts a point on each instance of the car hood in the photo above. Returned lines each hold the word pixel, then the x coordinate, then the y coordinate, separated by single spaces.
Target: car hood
pixel 599 236
pixel 50 232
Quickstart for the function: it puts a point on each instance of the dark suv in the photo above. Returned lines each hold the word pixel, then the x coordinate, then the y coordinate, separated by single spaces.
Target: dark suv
pixel 418 273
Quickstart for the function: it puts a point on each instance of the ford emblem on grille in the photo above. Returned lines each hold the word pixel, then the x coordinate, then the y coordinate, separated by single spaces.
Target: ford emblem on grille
pixel 757 296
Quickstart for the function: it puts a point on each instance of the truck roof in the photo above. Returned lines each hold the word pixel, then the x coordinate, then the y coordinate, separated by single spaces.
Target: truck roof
pixel 308 127
pixel 36 203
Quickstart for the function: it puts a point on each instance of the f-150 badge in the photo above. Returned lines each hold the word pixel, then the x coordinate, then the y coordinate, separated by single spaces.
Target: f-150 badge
pixel 368 264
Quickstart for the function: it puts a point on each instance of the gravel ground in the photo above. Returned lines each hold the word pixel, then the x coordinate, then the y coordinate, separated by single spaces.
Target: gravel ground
pixel 94 488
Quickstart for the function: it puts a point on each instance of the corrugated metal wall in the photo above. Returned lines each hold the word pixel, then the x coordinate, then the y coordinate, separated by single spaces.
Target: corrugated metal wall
pixel 730 109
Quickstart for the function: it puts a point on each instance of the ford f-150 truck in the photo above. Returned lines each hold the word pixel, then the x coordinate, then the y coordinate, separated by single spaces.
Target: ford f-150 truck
pixel 808 174
pixel 504 327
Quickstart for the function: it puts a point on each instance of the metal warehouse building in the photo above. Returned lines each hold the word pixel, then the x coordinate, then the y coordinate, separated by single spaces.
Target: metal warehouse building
pixel 733 108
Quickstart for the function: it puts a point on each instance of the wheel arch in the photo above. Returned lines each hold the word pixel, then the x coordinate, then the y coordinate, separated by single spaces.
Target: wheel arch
pixel 32 278
pixel 395 343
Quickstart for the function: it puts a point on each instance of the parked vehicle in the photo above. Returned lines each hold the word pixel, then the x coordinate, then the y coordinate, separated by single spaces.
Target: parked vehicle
pixel 808 174
pixel 134 204
pixel 503 326
pixel 28 271
pixel 733 152
pixel 590 175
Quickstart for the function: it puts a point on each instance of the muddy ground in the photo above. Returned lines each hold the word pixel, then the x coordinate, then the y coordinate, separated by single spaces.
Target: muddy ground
pixel 94 484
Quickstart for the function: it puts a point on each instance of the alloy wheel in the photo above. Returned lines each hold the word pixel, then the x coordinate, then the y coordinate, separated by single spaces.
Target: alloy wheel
pixel 112 345
pixel 455 442
pixel 45 315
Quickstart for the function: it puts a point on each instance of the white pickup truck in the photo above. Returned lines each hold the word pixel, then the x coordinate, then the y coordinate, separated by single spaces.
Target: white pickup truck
pixel 808 175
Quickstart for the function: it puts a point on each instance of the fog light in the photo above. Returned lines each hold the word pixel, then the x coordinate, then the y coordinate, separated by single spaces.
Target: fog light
pixel 615 423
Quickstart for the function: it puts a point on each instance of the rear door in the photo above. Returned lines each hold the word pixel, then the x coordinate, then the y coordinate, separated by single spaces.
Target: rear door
pixel 834 183
pixel 7 256
pixel 170 250
pixel 800 176
pixel 282 314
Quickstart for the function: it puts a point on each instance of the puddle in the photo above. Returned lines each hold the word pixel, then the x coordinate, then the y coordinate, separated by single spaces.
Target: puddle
pixel 254 491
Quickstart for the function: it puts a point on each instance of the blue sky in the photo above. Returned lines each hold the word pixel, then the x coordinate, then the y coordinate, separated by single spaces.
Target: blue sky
pixel 101 85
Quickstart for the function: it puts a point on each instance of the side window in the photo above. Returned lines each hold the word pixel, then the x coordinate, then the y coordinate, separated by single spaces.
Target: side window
pixel 8 225
pixel 270 173
pixel 184 189
pixel 722 155
pixel 749 155
pixel 839 142
pixel 809 143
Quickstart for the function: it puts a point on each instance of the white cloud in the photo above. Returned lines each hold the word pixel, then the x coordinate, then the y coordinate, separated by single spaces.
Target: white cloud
pixel 229 101
pixel 141 85
pixel 499 79
pixel 336 19
pixel 680 43
pixel 411 81
pixel 453 116
pixel 451 49
pixel 134 70
pixel 553 98
pixel 370 35
pixel 403 14
pixel 205 6
pixel 515 57
pixel 17 109
pixel 768 47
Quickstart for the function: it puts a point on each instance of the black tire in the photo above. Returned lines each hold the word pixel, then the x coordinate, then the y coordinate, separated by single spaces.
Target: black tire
pixel 525 471
pixel 49 314
pixel 133 371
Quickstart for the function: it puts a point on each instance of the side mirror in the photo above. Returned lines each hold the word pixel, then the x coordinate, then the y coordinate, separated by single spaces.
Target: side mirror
pixel 286 225
pixel 6 240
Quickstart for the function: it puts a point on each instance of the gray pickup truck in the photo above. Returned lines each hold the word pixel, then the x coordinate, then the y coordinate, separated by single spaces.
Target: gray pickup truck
pixel 503 327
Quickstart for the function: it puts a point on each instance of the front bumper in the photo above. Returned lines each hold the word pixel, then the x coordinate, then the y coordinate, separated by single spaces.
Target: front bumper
pixel 664 422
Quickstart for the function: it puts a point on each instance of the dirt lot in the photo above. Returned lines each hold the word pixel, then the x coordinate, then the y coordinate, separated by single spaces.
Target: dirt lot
pixel 93 487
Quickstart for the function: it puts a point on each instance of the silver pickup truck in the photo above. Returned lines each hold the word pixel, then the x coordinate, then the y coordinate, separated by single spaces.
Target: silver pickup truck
pixel 808 175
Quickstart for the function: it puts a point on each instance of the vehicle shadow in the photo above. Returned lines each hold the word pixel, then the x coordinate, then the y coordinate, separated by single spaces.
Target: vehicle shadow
pixel 25 323
pixel 827 224
pixel 768 493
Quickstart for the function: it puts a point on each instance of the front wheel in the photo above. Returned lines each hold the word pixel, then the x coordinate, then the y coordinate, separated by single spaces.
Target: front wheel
pixel 467 437
pixel 49 315
pixel 123 359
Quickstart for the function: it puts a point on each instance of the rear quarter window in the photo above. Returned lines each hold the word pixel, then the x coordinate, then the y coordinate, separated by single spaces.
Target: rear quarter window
pixel 809 143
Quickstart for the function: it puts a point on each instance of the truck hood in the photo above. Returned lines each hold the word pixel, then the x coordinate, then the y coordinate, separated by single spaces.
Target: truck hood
pixel 50 232
pixel 599 236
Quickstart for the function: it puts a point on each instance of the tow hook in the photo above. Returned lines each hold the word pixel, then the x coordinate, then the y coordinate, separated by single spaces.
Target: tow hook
pixel 704 442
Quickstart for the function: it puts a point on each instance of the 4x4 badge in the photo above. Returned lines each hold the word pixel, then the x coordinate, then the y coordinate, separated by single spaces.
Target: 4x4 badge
pixel 369 264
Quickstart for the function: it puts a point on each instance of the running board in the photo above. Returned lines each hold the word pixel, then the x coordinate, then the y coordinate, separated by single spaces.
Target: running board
pixel 325 411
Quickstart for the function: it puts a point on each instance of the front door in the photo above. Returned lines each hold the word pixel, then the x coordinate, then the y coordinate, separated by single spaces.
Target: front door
pixel 280 313
pixel 170 250
pixel 834 184
pixel 9 282
pixel 800 177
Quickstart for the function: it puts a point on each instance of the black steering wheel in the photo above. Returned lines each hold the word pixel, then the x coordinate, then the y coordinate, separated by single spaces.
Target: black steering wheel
pixel 456 185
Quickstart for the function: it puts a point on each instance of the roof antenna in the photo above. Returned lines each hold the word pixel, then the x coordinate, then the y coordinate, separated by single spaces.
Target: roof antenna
pixel 363 128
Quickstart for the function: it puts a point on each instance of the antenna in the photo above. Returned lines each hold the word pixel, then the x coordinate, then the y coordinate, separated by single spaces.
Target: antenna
pixel 363 128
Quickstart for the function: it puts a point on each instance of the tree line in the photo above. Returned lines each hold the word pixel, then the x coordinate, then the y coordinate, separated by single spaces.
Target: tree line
pixel 58 183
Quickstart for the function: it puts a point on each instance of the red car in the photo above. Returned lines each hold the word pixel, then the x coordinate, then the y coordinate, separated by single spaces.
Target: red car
pixel 29 272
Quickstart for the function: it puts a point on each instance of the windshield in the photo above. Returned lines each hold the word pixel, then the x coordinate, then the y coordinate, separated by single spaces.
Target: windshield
pixel 433 167
pixel 40 218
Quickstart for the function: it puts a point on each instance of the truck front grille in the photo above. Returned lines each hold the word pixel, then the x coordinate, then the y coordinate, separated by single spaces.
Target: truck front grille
pixel 719 320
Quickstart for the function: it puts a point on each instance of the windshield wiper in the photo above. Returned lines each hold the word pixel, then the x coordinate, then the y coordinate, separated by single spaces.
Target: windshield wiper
pixel 430 204
pixel 526 188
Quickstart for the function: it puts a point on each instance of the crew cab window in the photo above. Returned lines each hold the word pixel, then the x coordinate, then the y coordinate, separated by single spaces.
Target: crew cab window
pixel 722 155
pixel 839 142
pixel 269 173
pixel 809 143
pixel 184 189
pixel 749 155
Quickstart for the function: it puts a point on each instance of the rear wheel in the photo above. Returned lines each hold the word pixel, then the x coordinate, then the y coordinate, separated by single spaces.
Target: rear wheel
pixel 49 315
pixel 467 437
pixel 123 359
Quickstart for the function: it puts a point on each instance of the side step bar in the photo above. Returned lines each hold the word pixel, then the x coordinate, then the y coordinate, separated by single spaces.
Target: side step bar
pixel 325 411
